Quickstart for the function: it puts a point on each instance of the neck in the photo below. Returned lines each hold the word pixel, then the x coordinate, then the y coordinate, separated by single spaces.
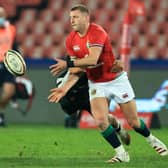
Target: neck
pixel 84 31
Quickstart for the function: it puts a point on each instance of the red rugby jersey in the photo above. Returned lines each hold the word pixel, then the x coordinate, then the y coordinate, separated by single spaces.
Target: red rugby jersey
pixel 96 36
pixel 7 36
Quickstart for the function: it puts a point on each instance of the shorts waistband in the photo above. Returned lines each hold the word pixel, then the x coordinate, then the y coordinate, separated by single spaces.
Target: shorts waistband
pixel 119 74
pixel 117 77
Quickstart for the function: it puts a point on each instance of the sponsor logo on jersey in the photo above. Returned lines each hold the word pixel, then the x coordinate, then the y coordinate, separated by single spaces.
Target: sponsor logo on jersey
pixel 76 48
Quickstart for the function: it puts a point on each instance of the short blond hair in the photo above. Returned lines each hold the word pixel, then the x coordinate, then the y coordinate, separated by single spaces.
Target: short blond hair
pixel 82 8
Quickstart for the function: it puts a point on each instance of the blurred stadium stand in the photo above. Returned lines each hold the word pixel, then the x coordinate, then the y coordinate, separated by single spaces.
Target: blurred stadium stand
pixel 43 25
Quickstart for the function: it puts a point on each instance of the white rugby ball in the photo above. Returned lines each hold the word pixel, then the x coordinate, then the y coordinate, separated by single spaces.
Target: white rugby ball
pixel 14 63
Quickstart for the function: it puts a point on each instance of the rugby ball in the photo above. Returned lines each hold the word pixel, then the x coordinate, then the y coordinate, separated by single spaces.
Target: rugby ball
pixel 14 63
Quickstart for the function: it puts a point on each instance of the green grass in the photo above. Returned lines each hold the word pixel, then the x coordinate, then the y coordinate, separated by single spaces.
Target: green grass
pixel 37 146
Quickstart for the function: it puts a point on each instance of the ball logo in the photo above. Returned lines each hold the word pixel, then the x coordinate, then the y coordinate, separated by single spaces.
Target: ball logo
pixel 14 63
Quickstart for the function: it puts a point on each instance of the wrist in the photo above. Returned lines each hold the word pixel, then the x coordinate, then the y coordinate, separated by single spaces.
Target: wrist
pixel 70 63
pixel 65 90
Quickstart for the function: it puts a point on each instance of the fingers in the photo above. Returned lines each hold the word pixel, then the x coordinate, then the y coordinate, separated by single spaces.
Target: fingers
pixel 52 66
pixel 58 67
pixel 53 98
pixel 55 95
pixel 55 69
pixel 115 62
pixel 54 90
pixel 117 66
pixel 116 69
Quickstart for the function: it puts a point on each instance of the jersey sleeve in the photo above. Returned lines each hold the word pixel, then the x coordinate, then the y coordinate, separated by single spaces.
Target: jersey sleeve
pixel 97 38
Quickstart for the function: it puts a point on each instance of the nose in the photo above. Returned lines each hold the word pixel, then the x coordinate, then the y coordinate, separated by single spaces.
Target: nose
pixel 72 20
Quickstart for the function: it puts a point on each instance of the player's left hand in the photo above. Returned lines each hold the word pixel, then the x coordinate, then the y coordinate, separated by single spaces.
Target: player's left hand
pixel 118 66
pixel 58 67
pixel 56 94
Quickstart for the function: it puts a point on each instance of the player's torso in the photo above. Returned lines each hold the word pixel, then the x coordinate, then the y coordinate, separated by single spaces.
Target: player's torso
pixel 101 71
pixel 5 75
pixel 6 40
pixel 79 46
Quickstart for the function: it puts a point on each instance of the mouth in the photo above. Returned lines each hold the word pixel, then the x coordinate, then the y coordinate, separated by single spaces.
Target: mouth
pixel 74 27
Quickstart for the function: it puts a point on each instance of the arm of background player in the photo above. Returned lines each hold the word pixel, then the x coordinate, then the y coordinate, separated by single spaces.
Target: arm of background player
pixel 57 93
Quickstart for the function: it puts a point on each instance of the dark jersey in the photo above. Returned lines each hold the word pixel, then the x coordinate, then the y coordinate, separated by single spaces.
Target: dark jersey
pixel 5 75
pixel 77 97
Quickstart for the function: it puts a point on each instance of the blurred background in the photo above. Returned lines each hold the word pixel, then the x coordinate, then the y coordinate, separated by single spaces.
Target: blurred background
pixel 42 27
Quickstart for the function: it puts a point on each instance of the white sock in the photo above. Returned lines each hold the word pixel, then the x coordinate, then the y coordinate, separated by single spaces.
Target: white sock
pixel 150 137
pixel 118 128
pixel 120 149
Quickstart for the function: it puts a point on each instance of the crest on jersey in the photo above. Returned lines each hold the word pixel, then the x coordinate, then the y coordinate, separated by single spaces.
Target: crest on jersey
pixel 87 44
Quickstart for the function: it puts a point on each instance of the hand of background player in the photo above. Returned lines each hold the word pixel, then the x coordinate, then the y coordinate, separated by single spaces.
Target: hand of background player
pixel 58 67
pixel 56 94
pixel 118 66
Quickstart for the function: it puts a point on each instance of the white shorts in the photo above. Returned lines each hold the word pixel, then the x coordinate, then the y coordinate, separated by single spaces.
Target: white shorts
pixel 118 89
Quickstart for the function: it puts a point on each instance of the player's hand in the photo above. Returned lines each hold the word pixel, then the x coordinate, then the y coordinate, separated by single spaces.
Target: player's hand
pixel 56 94
pixel 118 66
pixel 58 67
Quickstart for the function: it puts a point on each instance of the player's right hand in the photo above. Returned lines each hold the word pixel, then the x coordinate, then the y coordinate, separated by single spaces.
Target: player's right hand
pixel 56 94
pixel 58 67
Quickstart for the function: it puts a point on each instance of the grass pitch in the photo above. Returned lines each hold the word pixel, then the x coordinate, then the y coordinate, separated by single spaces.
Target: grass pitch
pixel 39 146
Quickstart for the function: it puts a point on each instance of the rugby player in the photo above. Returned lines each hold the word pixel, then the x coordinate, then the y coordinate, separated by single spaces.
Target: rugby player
pixel 76 99
pixel 7 80
pixel 91 46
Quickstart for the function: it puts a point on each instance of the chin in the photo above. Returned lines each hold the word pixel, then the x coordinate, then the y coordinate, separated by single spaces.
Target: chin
pixel 75 28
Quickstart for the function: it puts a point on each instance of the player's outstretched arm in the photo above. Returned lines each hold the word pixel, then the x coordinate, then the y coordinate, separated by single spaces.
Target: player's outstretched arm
pixel 58 93
pixel 55 69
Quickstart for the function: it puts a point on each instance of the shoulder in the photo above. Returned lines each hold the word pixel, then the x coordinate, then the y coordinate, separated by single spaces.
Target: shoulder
pixel 96 28
pixel 96 32
pixel 8 24
pixel 12 27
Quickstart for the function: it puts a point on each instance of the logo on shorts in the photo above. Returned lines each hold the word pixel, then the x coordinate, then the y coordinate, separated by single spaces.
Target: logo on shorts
pixel 125 95
pixel 93 91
